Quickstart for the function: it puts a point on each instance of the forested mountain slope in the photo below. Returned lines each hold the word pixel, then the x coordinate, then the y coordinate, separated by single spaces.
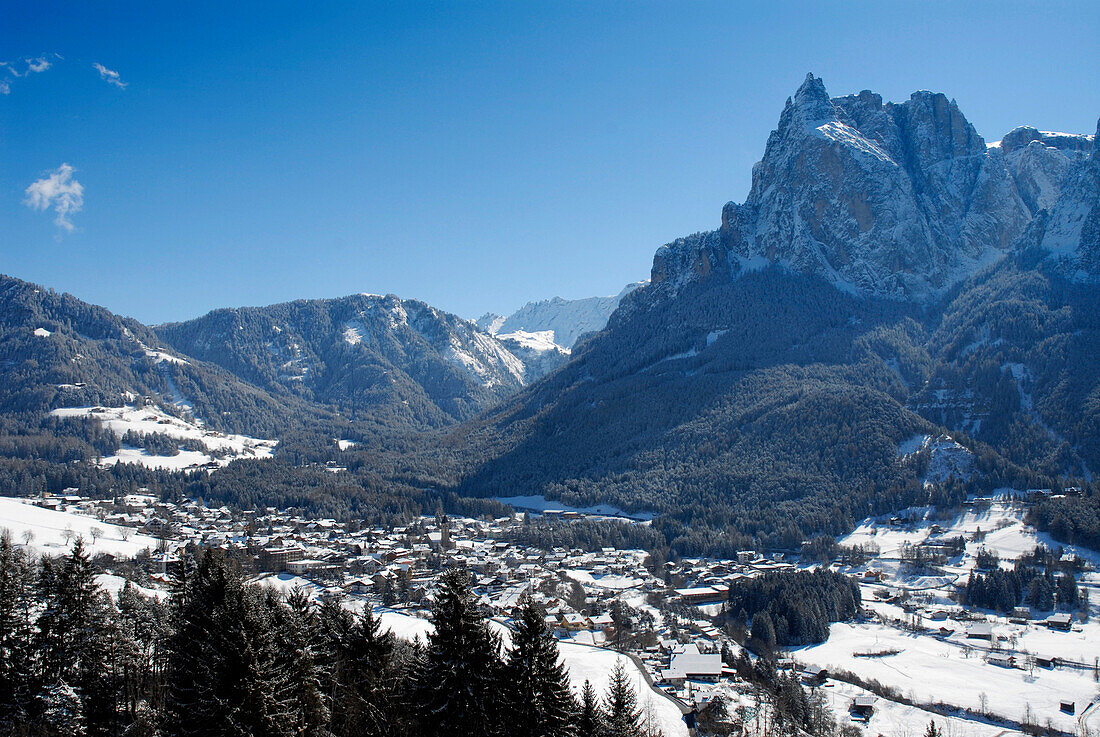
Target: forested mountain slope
pixel 893 290
pixel 402 360
pixel 57 351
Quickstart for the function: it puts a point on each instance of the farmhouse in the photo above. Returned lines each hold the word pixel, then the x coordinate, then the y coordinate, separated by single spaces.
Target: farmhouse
pixel 1060 621
pixel 690 664
pixel 980 631
pixel 862 708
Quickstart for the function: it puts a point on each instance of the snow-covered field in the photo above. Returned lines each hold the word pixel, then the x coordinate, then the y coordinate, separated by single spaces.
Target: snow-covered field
pixel 611 582
pixel 1002 524
pixel 151 420
pixel 899 720
pixel 929 670
pixel 285 583
pixel 114 584
pixel 49 529
pixel 955 671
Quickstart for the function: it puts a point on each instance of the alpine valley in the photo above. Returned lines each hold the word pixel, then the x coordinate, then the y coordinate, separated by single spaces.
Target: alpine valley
pixel 899 314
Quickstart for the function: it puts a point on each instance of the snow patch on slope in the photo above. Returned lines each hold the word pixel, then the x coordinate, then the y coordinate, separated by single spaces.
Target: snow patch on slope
pixel 946 457
pixel 221 448
pixel 48 530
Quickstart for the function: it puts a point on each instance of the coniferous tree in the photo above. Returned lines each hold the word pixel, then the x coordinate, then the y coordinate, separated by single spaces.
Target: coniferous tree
pixel 73 639
pixel 621 705
pixel 141 635
pixel 17 603
pixel 590 720
pixel 458 684
pixel 63 710
pixel 296 641
pixel 224 676
pixel 539 702
pixel 363 678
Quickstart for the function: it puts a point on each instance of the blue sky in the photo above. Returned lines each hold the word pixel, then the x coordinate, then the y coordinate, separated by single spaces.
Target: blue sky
pixel 473 155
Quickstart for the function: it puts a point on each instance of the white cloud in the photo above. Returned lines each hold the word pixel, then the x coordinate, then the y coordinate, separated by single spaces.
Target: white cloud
pixel 110 76
pixel 40 64
pixel 11 70
pixel 60 191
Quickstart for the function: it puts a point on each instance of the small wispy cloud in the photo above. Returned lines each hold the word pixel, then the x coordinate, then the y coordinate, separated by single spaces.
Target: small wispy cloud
pixel 58 190
pixel 10 70
pixel 110 76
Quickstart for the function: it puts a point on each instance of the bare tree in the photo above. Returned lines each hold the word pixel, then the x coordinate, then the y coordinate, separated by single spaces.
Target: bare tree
pixel 68 533
pixel 124 532
pixel 27 536
pixel 983 703
pixel 96 532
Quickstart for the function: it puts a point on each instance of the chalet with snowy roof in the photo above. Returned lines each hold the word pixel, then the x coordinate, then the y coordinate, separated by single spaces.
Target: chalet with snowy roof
pixel 1060 621
pixel 688 664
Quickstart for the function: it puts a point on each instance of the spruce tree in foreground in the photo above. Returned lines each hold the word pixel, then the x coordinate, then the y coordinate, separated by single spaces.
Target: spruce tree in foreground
pixel 73 641
pixel 364 678
pixel 224 674
pixel 621 705
pixel 16 631
pixel 590 720
pixel 458 686
pixel 539 700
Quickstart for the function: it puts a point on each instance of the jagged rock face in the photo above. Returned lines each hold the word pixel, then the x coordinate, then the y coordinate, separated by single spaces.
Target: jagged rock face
pixel 1069 232
pixel 1040 162
pixel 889 200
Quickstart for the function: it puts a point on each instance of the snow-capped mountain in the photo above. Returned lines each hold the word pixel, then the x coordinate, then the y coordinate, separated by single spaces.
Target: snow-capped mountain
pixel 1041 161
pixel 562 321
pixel 366 351
pixel 889 200
pixel 1069 231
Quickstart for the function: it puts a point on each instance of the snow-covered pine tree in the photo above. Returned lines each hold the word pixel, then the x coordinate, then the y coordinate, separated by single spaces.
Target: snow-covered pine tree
pixel 459 684
pixel 74 637
pixel 141 635
pixel 301 697
pixel 362 673
pixel 539 702
pixel 621 705
pixel 62 710
pixel 591 719
pixel 16 633
pixel 223 673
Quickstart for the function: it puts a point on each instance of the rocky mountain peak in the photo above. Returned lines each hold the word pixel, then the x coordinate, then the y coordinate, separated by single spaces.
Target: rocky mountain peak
pixel 896 200
pixel 810 103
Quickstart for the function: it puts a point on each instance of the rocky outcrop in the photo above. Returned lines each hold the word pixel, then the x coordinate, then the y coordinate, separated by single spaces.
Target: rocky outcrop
pixel 1069 231
pixel 896 200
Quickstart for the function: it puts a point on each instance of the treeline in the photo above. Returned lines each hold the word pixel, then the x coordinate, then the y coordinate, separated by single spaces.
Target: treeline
pixel 1070 519
pixel 1029 582
pixel 585 534
pixel 791 607
pixel 224 658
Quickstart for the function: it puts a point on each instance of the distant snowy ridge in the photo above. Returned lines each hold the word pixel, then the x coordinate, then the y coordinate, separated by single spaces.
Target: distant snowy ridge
pixel 565 320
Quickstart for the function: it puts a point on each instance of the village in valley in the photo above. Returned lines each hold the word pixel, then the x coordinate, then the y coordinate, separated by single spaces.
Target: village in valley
pixel 912 655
